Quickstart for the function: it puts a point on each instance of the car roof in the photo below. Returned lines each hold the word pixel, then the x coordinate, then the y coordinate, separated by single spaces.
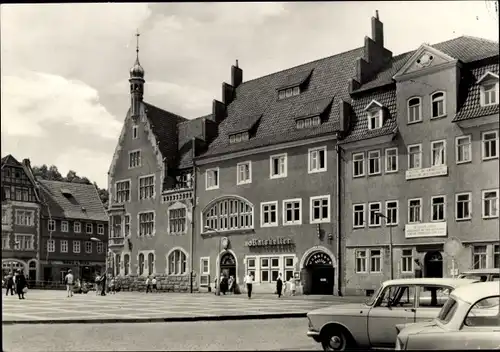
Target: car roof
pixel 482 271
pixel 473 293
pixel 430 281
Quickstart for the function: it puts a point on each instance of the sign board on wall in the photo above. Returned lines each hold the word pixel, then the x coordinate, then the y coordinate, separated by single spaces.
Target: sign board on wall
pixel 269 242
pixel 440 170
pixel 429 229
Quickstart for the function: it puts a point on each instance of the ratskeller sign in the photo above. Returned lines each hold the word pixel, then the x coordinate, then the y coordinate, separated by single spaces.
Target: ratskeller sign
pixel 270 242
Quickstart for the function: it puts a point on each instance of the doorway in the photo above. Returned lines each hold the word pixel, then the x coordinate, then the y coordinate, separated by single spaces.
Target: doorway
pixel 319 275
pixel 433 264
pixel 228 265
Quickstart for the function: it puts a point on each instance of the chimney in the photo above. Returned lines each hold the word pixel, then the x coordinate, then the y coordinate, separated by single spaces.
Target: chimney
pixel 236 75
pixel 227 93
pixel 377 30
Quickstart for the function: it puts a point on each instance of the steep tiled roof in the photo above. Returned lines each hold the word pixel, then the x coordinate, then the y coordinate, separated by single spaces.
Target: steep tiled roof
pixel 10 160
pixel 164 126
pixel 188 130
pixel 465 48
pixel 329 80
pixel 471 107
pixel 83 203
pixel 359 122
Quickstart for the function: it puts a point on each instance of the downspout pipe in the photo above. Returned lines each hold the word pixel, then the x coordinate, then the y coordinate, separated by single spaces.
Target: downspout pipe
pixel 193 212
pixel 338 200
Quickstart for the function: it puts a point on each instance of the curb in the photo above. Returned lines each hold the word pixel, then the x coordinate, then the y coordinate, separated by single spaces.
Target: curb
pixel 159 320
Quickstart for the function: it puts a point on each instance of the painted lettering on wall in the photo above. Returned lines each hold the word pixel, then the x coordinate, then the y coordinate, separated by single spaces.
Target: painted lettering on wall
pixel 319 258
pixel 269 242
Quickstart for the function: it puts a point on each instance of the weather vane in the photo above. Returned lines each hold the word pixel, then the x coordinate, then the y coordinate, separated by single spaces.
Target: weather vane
pixel 137 42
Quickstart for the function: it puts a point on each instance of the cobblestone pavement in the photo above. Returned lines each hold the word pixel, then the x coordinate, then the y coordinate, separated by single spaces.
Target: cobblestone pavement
pixel 269 335
pixel 54 305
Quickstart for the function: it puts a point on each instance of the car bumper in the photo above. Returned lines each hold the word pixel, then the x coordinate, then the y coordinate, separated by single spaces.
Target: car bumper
pixel 313 334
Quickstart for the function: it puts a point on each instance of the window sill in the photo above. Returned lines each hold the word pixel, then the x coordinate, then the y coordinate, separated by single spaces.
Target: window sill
pixel 489 158
pixel 374 174
pixel 463 219
pixel 490 217
pixel 292 223
pixel 269 225
pixel 391 171
pixel 438 221
pixel 414 122
pixel 211 188
pixel 361 272
pixel 463 162
pixel 322 221
pixel 277 177
pixel 358 176
pixel 373 226
pixel 243 183
pixel 358 227
pixel 316 171
pixel 438 117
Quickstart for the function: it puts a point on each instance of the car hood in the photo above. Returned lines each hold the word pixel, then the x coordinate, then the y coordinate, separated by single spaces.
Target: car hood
pixel 417 328
pixel 338 309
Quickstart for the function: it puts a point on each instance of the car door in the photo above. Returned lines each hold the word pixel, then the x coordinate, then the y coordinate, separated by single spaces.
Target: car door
pixel 430 300
pixel 396 305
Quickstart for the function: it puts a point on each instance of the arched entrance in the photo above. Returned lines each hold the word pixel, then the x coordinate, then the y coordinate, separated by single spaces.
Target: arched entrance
pixel 228 265
pixel 318 274
pixel 433 264
pixel 11 265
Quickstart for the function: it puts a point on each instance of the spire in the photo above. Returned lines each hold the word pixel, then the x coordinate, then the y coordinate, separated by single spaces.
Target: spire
pixel 137 71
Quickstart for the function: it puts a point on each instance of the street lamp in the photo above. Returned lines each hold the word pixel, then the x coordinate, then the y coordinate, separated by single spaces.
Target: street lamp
pixel 379 214
pixel 215 232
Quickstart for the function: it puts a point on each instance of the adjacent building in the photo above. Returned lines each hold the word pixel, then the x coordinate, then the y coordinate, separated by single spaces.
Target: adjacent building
pixel 74 231
pixel 20 218
pixel 339 173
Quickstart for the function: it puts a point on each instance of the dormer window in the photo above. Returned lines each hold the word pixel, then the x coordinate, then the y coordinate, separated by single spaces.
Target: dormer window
pixel 375 114
pixel 308 122
pixel 289 92
pixel 239 137
pixel 414 110
pixel 489 89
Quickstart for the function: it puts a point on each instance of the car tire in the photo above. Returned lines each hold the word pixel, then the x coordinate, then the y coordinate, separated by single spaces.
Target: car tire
pixel 334 340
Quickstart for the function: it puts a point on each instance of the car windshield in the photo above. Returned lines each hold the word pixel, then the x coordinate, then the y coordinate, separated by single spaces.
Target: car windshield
pixel 477 277
pixel 373 297
pixel 447 311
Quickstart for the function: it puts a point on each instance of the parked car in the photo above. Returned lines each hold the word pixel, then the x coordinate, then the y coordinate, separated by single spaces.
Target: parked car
pixel 470 319
pixel 490 274
pixel 372 324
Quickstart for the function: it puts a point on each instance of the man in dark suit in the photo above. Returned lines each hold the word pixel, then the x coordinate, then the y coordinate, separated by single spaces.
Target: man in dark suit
pixel 10 285
pixel 21 284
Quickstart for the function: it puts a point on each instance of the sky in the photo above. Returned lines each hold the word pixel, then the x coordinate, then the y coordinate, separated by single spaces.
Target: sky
pixel 64 67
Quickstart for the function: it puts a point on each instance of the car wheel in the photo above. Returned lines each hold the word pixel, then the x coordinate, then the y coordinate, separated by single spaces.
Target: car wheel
pixel 334 340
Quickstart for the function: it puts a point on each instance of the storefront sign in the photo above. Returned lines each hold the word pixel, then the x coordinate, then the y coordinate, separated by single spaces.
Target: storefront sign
pixel 441 170
pixel 430 229
pixel 319 258
pixel 270 242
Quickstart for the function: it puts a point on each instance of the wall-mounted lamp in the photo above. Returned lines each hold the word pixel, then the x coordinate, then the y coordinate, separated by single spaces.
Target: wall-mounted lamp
pixel 318 230
pixel 330 236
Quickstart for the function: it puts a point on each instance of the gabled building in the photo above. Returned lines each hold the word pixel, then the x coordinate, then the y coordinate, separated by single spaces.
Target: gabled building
pixel 74 231
pixel 423 151
pixel 20 218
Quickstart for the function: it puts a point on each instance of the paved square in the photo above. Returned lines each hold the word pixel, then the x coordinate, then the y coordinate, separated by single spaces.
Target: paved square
pixel 54 305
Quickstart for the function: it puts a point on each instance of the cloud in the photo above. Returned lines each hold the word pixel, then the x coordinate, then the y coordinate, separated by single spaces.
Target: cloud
pixel 30 99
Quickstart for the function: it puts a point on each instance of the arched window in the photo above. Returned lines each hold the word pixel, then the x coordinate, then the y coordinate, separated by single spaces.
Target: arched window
pixel 228 214
pixel 117 264
pixel 177 263
pixel 126 263
pixel 438 105
pixel 141 264
pixel 151 262
pixel 415 109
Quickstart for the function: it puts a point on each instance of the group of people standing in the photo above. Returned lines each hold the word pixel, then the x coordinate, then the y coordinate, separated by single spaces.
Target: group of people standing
pixel 151 284
pixel 16 283
pixel 226 284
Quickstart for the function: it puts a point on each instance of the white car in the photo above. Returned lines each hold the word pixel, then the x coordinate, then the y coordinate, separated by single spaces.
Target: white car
pixel 372 324
pixel 469 320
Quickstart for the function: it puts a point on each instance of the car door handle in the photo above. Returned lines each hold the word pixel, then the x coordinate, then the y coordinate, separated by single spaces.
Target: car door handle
pixel 413 310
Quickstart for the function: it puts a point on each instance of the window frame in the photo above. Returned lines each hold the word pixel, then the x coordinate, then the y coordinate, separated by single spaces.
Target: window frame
pixel 217 179
pixel 51 243
pixel 362 163
pixel 311 210
pixel 419 109
pixel 64 225
pixel 438 99
pixel 481 254
pixel 419 145
pixel 483 207
pixel 396 223
pixel 387 171
pixel 202 262
pixel 271 166
pixel 61 242
pixel 75 227
pixel 186 260
pixel 129 181
pixel 249 180
pixel 179 219
pixel 153 195
pixel 381 256
pixel 90 246
pixel 403 257
pixel 483 156
pixel 270 224
pixel 376 114
pixel 433 143
pixel 51 224
pixel 100 229
pixel 492 79
pixel 380 210
pixel 153 232
pixel 75 246
pixel 444 208
pixel 129 160
pixel 295 222
pixel 457 149
pixel 377 159
pixel 469 194
pixel 28 215
pixel 212 216
pixel 135 131
pixel 87 228
pixel 363 220
pixel 420 211
pixel 317 150
pixel 365 259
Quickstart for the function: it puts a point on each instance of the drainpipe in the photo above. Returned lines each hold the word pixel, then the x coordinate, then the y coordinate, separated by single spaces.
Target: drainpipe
pixel 339 219
pixel 193 214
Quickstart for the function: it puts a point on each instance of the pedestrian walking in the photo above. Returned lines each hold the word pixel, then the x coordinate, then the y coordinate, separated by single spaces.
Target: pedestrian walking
pixel 153 282
pixel 249 281
pixel 112 288
pixel 291 286
pixel 10 285
pixel 69 280
pixel 279 285
pixel 21 285
pixel 103 284
pixel 14 278
pixel 231 284
pixel 148 284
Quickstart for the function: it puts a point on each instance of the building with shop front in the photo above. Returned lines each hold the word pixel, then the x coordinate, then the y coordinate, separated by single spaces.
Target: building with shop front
pixel 20 219
pixel 422 151
pixel 74 231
